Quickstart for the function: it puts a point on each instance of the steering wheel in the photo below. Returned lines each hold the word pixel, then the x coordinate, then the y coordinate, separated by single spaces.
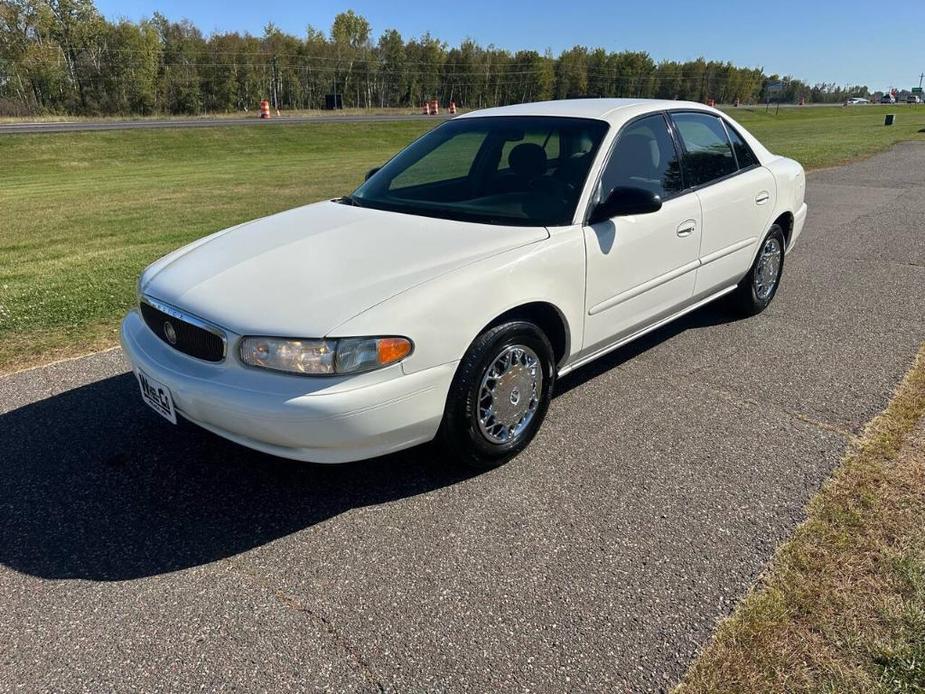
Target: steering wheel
pixel 551 186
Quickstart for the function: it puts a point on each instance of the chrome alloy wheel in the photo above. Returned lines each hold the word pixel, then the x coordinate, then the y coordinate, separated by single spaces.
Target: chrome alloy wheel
pixel 768 268
pixel 510 394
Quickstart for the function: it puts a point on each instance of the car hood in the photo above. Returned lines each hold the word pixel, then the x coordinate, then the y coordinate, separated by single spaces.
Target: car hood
pixel 303 272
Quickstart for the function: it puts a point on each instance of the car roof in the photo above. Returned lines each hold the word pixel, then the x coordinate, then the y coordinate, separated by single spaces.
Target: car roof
pixel 610 110
pixel 615 112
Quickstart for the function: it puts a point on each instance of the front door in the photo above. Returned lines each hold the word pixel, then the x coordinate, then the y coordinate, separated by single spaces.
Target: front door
pixel 641 268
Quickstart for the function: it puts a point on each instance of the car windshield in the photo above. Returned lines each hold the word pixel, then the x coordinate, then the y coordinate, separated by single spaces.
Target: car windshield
pixel 515 170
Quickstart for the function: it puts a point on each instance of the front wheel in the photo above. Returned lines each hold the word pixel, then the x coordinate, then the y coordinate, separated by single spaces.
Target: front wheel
pixel 758 287
pixel 499 395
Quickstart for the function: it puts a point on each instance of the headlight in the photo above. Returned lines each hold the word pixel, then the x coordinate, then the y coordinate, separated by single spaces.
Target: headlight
pixel 138 288
pixel 139 283
pixel 324 357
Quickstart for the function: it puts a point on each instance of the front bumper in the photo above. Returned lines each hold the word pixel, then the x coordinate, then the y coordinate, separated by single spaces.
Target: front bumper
pixel 322 419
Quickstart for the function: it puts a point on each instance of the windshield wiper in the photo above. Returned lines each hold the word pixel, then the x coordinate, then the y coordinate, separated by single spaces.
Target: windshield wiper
pixel 349 200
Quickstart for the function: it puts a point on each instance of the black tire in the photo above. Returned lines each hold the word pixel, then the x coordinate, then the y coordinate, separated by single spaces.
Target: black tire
pixel 461 434
pixel 747 300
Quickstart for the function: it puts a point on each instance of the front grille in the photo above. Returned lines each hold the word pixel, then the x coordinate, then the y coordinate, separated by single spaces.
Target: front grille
pixel 189 339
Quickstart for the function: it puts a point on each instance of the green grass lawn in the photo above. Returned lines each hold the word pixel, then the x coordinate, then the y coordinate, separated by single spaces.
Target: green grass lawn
pixel 828 136
pixel 83 213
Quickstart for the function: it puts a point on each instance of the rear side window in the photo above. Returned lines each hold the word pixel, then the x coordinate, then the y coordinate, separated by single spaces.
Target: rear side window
pixel 744 154
pixel 707 151
pixel 644 157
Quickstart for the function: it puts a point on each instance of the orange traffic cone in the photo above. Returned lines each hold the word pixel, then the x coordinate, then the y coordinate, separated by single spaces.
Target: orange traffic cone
pixel 452 107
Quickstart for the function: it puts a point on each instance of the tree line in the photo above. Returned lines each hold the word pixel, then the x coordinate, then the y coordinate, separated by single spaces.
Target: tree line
pixel 63 56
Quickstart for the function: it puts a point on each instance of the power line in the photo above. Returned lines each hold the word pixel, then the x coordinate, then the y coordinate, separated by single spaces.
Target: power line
pixel 487 73
pixel 268 55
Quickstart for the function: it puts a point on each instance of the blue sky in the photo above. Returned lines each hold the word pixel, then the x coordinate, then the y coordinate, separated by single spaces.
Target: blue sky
pixel 881 44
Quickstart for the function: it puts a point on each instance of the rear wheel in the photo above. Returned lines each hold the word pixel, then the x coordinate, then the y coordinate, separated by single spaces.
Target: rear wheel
pixel 758 287
pixel 499 395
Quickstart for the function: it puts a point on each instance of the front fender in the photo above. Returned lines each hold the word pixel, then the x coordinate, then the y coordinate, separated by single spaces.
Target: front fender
pixel 444 315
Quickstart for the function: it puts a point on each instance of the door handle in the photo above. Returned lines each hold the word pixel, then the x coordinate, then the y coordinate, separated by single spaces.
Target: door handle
pixel 762 197
pixel 686 228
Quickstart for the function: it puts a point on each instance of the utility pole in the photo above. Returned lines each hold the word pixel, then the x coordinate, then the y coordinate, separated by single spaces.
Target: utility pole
pixel 920 79
pixel 275 97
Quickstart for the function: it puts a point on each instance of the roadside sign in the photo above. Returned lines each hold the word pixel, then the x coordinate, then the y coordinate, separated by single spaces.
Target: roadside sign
pixel 775 87
pixel 916 90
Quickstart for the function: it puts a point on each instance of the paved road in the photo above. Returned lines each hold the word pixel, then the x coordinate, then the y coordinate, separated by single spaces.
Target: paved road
pixel 75 126
pixel 136 556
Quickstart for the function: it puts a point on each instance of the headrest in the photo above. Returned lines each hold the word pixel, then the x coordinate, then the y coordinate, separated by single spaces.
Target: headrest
pixel 528 159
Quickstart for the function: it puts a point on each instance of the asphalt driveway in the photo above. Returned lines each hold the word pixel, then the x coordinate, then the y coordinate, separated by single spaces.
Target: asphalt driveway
pixel 136 556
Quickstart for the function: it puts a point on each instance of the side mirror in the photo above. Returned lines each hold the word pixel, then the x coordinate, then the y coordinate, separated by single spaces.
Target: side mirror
pixel 369 174
pixel 624 201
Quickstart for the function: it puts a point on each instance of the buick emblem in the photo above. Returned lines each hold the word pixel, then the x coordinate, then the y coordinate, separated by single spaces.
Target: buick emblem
pixel 170 332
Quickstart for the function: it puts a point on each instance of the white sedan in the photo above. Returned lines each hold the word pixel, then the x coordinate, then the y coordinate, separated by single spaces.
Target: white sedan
pixel 444 296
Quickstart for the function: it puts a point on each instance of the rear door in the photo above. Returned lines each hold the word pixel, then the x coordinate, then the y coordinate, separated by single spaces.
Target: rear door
pixel 736 196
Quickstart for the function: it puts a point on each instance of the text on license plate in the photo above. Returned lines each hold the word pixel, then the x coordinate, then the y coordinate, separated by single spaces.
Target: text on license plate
pixel 157 396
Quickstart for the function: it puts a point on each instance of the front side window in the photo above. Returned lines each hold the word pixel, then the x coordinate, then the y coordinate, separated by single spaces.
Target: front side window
pixel 519 170
pixel 707 152
pixel 644 157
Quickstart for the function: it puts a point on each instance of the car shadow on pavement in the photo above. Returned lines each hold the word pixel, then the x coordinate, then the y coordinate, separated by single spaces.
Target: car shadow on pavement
pixel 710 315
pixel 95 486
